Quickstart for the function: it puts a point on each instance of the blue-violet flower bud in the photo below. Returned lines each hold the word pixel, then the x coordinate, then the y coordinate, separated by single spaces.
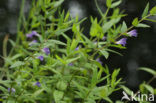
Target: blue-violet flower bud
pixel 11 90
pixel 41 58
pixel 98 60
pixel 38 84
pixel 46 50
pixel 122 41
pixel 33 33
pixel 133 33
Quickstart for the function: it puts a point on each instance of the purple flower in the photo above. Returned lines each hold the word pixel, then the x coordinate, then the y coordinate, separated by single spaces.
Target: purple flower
pixel 77 48
pixel 133 33
pixel 11 90
pixel 104 38
pixel 122 41
pixel 33 33
pixel 46 50
pixel 98 60
pixel 33 42
pixel 41 58
pixel 38 84
pixel 95 42
pixel 70 64
pixel 29 35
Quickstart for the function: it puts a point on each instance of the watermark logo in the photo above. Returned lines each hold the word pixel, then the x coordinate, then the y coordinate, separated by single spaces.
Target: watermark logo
pixel 125 97
pixel 137 97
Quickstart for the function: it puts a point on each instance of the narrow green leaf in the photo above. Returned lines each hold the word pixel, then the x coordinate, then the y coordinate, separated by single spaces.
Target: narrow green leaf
pixel 145 10
pixel 52 69
pixel 58 95
pixel 149 88
pixel 35 25
pixel 4 90
pixel 38 92
pixel 109 24
pixel 143 25
pixel 108 99
pixel 115 4
pixel 73 59
pixel 151 20
pixel 80 88
pixel 135 22
pixel 153 11
pixel 114 76
pixel 148 70
pixel 17 64
pixel 114 52
pixel 12 42
pixel 67 17
pixel 119 102
pixel 60 31
pixel 55 42
pixel 16 56
pixel 74 44
pixel 118 46
pixel 60 59
pixel 58 3
pixel 105 53
pixel 103 78
pixel 108 3
pixel 94 78
pixel 124 27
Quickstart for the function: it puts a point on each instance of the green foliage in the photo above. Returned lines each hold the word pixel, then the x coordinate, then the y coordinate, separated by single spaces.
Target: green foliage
pixel 70 71
pixel 151 71
pixel 153 11
pixel 143 25
pixel 145 10
pixel 115 4
pixel 96 29
pixel 105 53
pixel 135 22
pixel 17 64
pixel 109 3
pixel 124 27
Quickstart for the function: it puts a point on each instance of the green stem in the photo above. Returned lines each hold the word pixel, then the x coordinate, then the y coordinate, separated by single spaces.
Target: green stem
pixel 19 96
pixel 119 36
pixel 101 13
pixel 9 93
pixel 98 8
pixel 5 46
pixel 20 21
pixel 132 26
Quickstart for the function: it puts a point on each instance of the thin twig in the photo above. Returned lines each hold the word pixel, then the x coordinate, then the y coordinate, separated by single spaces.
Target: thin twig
pixel 5 41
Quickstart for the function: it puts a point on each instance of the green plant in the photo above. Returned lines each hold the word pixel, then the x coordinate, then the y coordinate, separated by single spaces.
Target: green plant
pixel 43 68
